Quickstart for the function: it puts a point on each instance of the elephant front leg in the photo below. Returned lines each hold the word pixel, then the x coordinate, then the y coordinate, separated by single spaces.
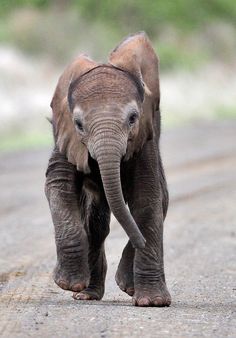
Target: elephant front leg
pixel 149 278
pixel 72 269
pixel 146 205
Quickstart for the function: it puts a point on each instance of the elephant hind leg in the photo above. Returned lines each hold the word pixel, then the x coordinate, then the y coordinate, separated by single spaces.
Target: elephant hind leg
pixel 98 269
pixel 124 275
pixel 98 229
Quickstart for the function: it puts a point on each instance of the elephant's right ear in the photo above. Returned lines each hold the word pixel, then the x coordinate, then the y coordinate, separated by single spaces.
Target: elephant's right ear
pixel 67 139
pixel 136 55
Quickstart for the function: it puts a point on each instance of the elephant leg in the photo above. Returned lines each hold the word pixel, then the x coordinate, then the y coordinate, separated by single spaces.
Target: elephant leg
pixel 98 229
pixel 124 275
pixel 146 205
pixel 64 194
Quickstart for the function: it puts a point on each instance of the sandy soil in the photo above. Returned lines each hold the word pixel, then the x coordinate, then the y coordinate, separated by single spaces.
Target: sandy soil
pixel 200 247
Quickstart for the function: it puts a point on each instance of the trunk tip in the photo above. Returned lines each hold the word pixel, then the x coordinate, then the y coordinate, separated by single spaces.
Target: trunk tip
pixel 138 242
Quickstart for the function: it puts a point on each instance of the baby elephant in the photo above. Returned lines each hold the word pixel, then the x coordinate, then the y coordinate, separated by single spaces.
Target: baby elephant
pixel 106 125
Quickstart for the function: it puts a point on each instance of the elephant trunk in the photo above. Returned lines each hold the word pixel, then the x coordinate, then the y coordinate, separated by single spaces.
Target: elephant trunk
pixel 108 156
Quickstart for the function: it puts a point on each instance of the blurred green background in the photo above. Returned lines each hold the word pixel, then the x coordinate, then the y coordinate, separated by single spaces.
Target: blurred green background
pixel 195 40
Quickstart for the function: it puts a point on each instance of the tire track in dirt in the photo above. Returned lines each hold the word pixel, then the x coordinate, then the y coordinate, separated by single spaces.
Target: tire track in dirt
pixel 199 245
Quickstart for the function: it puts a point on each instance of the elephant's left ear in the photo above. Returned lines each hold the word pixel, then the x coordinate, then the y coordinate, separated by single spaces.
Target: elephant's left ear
pixel 66 138
pixel 136 55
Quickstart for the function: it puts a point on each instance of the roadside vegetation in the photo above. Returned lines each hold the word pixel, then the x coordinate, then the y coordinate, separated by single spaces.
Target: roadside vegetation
pixel 195 40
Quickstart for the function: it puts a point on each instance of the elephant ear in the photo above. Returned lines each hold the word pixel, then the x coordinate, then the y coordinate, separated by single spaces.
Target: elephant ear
pixel 66 138
pixel 136 55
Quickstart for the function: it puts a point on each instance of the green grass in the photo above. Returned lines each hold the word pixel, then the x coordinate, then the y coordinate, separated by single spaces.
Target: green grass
pixel 180 30
pixel 26 140
pixel 172 120
pixel 172 57
pixel 224 112
pixel 185 35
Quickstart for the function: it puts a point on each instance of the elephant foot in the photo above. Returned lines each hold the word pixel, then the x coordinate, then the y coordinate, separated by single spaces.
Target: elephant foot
pixel 69 281
pixel 90 293
pixel 124 279
pixel 124 275
pixel 152 295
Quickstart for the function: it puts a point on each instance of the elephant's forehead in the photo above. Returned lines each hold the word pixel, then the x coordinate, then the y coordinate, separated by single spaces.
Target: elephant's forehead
pixel 106 110
pixel 105 84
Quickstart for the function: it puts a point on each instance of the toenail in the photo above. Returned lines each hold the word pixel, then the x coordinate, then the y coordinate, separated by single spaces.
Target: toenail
pixel 168 301
pixel 158 301
pixel 84 296
pixel 81 296
pixel 78 287
pixel 63 285
pixel 75 295
pixel 143 301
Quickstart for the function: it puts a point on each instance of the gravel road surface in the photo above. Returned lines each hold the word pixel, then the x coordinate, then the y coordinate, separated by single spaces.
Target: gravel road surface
pixel 200 249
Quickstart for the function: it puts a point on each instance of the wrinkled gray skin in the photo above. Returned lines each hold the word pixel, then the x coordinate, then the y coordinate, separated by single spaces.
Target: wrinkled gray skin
pixel 106 111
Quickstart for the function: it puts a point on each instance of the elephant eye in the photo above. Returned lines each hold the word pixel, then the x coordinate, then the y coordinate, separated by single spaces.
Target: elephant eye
pixel 132 118
pixel 79 125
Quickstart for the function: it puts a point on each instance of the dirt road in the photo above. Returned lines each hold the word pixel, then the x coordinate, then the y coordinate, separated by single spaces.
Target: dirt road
pixel 200 249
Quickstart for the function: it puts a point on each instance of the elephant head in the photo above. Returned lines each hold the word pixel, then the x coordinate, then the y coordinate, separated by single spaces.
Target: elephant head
pixel 107 111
